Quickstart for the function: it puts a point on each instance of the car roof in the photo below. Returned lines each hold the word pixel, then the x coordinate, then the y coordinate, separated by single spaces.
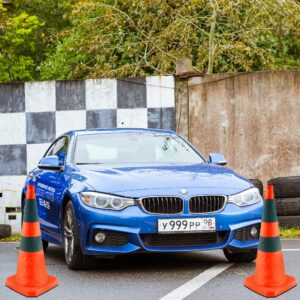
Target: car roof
pixel 116 130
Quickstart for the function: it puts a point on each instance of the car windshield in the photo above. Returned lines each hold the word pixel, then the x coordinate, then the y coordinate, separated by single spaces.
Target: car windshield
pixel 118 148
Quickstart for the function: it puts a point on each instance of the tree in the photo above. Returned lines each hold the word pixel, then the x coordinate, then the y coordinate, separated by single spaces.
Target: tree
pixel 51 14
pixel 142 37
pixel 17 46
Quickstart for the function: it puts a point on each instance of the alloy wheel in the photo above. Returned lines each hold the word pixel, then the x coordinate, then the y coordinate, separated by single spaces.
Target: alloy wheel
pixel 69 235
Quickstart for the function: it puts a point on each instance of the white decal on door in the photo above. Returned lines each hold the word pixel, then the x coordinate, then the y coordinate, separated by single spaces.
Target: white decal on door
pixel 44 203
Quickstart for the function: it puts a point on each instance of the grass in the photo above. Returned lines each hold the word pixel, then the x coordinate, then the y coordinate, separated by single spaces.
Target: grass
pixel 290 233
pixel 284 233
pixel 12 238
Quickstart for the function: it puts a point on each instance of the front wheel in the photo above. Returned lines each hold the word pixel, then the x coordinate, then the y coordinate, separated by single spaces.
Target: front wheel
pixel 75 259
pixel 240 256
pixel 45 245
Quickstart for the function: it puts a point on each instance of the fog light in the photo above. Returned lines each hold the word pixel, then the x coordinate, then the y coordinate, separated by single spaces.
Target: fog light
pixel 253 232
pixel 100 237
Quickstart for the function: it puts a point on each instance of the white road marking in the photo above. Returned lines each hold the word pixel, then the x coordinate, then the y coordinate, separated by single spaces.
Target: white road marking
pixel 290 249
pixel 195 283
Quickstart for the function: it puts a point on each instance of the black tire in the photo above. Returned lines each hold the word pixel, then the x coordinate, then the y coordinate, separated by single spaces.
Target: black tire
pixel 22 208
pixel 289 221
pixel 258 183
pixel 286 187
pixel 45 245
pixel 5 231
pixel 75 259
pixel 288 206
pixel 240 256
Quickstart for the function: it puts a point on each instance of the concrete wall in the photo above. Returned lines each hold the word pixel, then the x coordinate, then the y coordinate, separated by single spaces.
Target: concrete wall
pixel 253 119
pixel 33 114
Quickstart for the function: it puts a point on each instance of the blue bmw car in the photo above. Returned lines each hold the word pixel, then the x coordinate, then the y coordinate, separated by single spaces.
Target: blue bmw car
pixel 107 192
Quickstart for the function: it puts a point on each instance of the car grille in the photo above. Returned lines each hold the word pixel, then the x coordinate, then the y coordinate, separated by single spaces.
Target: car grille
pixel 163 205
pixel 205 204
pixel 183 239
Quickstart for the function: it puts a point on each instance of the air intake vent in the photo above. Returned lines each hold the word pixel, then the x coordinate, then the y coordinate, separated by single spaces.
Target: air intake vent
pixel 163 205
pixel 206 204
pixel 183 239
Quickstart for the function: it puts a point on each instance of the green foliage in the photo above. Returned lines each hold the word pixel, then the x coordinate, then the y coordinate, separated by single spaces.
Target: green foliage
pixel 17 46
pixel 12 238
pixel 51 13
pixel 290 233
pixel 120 38
pixel 142 37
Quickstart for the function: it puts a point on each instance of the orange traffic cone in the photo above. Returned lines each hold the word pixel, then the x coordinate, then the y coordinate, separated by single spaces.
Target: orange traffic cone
pixel 269 278
pixel 31 279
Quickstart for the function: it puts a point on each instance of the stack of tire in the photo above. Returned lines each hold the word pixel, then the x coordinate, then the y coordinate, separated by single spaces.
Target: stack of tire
pixel 5 231
pixel 258 183
pixel 287 195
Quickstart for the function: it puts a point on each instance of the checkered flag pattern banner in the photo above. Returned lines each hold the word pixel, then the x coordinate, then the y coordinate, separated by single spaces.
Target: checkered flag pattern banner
pixel 33 114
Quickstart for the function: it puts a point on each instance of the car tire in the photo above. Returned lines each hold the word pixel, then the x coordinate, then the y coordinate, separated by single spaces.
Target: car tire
pixel 289 221
pixel 5 231
pixel 45 245
pixel 240 256
pixel 22 208
pixel 288 206
pixel 258 183
pixel 286 187
pixel 75 259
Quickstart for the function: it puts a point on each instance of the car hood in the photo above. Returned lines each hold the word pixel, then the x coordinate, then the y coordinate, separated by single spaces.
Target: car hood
pixel 137 181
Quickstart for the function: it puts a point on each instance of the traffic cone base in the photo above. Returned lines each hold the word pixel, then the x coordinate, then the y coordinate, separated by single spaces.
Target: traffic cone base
pixel 270 291
pixel 31 291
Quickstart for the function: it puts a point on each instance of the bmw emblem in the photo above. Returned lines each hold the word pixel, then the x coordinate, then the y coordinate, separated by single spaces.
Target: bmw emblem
pixel 183 191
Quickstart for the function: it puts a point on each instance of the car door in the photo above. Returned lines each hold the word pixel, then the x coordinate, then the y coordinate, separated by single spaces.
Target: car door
pixel 50 185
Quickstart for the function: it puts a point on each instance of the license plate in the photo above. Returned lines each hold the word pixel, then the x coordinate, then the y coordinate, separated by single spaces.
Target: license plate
pixel 186 225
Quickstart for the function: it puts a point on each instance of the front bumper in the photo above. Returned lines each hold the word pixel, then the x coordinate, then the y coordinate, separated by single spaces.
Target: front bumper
pixel 136 224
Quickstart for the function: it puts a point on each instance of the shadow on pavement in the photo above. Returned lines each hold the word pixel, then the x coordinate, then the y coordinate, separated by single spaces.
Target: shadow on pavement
pixel 150 262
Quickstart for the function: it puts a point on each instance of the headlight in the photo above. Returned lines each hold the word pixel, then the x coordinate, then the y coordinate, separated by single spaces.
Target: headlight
pixel 105 201
pixel 248 197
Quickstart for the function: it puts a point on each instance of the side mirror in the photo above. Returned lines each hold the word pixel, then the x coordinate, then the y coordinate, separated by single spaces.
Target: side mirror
pixel 217 159
pixel 50 162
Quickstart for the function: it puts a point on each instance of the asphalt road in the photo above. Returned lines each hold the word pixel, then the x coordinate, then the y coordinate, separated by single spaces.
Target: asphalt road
pixel 150 276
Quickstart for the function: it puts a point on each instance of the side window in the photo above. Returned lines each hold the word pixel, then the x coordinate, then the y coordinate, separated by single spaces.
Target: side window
pixel 59 148
pixel 50 151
